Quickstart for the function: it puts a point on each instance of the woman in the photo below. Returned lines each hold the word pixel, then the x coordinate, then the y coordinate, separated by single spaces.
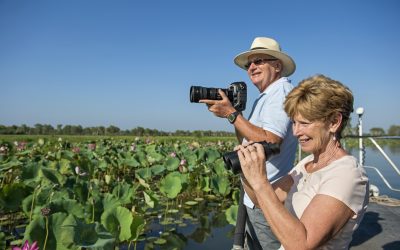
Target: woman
pixel 325 196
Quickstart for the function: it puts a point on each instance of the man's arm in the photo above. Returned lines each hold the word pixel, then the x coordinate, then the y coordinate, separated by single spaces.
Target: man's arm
pixel 243 128
pixel 253 133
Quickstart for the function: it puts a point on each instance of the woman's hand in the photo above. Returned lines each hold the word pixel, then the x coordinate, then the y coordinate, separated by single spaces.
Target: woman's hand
pixel 252 160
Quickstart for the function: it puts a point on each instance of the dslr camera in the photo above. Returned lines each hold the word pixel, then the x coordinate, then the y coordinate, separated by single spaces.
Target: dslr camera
pixel 236 93
pixel 232 162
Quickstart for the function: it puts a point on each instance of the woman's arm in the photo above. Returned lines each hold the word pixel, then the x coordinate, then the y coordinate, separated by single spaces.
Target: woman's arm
pixel 321 220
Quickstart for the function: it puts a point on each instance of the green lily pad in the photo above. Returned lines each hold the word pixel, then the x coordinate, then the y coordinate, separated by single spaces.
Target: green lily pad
pixel 191 203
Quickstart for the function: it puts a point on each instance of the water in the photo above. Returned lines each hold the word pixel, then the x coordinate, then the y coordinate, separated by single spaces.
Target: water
pixel 374 158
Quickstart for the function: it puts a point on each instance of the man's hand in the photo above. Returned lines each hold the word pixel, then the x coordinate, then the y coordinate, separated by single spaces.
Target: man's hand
pixel 221 108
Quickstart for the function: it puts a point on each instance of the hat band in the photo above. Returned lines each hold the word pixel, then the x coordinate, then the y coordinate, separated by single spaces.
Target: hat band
pixel 258 48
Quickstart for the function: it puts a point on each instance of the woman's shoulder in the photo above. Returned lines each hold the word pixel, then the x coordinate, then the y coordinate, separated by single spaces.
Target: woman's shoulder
pixel 346 167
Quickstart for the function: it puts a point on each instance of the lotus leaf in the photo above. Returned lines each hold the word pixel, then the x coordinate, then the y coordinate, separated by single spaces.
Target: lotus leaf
pixel 191 203
pixel 110 202
pixel 141 157
pixel 201 154
pixel 65 166
pixel 11 164
pixel 11 196
pixel 53 175
pixel 231 214
pixel 157 169
pixel 81 191
pixel 102 165
pixel 160 241
pixel 144 173
pixel 36 231
pixel 118 222
pixel 137 227
pixel 150 199
pixel 221 185
pixel 212 155
pixel 124 192
pixel 30 172
pixel 219 167
pixel 153 157
pixel 131 162
pixel 76 234
pixel 171 185
pixel 172 163
pixel 68 206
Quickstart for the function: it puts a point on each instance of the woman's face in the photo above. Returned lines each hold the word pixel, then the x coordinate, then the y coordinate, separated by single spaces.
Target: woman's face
pixel 313 136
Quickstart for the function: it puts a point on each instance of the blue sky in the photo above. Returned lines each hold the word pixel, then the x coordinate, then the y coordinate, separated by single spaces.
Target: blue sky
pixel 131 63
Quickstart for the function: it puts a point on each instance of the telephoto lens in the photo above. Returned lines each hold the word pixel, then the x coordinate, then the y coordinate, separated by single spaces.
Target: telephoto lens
pixel 197 93
pixel 232 162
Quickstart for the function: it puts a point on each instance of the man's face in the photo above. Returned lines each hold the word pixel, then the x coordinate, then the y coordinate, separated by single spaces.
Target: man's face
pixel 263 70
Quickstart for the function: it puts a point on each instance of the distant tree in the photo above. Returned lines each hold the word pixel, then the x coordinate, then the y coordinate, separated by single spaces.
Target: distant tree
pixel 59 129
pixel 38 129
pixel 76 129
pixel 394 130
pixel 113 130
pixel 377 131
pixel 22 130
pixel 67 130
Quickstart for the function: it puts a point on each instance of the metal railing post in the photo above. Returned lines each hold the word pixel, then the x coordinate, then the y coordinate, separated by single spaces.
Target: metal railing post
pixel 360 112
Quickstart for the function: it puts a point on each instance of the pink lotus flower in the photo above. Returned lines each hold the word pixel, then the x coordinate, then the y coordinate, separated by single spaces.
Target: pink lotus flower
pixel 92 146
pixel 76 150
pixel 26 246
pixel 183 162
pixel 173 155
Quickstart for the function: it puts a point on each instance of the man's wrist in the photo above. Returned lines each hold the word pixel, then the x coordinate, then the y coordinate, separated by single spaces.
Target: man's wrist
pixel 232 116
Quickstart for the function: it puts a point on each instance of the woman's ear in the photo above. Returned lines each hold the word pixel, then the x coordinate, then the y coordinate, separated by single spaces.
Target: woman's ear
pixel 336 122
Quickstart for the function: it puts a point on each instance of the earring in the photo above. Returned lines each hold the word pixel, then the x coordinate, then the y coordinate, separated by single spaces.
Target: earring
pixel 334 137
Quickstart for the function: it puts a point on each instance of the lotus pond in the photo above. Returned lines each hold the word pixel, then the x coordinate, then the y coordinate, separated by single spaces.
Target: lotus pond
pixel 115 193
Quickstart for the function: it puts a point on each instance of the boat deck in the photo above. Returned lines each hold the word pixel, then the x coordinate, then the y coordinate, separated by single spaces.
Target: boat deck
pixel 380 228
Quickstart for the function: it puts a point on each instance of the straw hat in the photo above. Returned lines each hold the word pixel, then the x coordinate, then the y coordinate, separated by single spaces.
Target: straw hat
pixel 268 46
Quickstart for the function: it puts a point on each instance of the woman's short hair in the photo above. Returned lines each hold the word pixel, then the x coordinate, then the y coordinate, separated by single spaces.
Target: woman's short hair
pixel 320 98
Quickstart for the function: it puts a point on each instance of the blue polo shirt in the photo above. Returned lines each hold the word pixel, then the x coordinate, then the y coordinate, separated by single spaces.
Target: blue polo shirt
pixel 268 113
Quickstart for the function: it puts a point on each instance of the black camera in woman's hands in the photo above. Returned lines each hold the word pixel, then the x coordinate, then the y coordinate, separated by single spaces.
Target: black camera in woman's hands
pixel 232 162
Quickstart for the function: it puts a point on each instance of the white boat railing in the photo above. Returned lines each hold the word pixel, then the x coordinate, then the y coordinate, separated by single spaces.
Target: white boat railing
pixel 360 112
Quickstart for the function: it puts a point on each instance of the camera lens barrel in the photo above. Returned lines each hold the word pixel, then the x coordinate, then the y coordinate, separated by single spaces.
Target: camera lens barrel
pixel 232 162
pixel 236 93
pixel 197 93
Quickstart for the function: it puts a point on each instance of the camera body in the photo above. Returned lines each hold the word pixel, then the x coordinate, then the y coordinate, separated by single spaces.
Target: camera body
pixel 232 162
pixel 236 93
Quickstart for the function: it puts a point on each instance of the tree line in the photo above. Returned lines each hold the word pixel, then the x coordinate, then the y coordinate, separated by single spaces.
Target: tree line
pixel 46 129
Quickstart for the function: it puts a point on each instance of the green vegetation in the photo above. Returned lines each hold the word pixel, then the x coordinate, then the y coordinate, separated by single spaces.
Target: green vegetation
pixel 102 193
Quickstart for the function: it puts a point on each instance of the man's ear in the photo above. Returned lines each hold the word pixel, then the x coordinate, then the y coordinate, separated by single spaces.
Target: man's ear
pixel 279 66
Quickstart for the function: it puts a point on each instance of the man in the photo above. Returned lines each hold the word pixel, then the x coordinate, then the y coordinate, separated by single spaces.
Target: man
pixel 267 67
